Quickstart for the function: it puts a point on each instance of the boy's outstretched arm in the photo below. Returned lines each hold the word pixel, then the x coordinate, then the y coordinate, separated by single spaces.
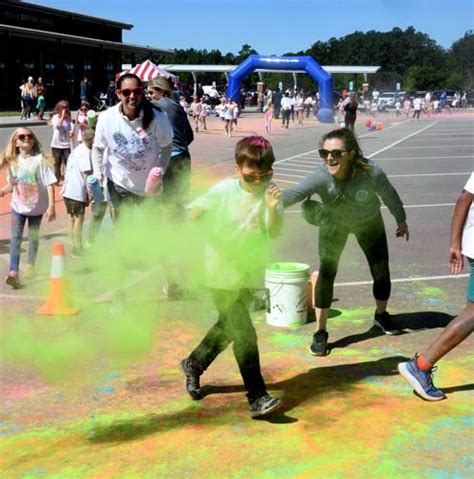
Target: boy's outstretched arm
pixel 275 214
pixel 456 262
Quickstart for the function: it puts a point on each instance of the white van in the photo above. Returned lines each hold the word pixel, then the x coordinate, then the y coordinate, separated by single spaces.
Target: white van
pixel 388 98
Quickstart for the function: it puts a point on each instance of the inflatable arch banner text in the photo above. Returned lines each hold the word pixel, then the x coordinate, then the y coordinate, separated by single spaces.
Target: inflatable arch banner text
pixel 307 64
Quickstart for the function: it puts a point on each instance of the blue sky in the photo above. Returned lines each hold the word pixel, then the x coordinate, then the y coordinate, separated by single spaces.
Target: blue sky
pixel 272 26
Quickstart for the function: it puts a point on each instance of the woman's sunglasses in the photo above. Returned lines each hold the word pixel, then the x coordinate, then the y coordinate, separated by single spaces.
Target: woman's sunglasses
pixel 336 154
pixel 128 91
pixel 254 178
pixel 23 136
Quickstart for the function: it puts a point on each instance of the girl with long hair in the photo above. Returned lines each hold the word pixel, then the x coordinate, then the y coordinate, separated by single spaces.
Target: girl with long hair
pixel 31 182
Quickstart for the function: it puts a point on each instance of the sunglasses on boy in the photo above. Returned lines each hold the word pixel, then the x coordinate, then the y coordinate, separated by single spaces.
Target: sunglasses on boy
pixel 126 92
pixel 336 154
pixel 265 177
pixel 23 136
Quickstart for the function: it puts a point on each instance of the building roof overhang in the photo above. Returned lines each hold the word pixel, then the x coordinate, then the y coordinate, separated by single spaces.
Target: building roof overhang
pixel 85 41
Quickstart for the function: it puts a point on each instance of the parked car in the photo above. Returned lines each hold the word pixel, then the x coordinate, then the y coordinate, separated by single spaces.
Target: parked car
pixel 387 99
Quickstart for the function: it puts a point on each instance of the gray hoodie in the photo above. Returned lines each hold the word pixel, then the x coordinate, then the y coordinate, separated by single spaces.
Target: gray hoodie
pixel 353 201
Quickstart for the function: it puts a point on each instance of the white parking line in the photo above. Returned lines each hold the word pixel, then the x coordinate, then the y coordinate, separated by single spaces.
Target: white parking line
pixel 402 139
pixel 430 174
pixel 425 158
pixel 407 280
pixel 437 147
pixel 293 176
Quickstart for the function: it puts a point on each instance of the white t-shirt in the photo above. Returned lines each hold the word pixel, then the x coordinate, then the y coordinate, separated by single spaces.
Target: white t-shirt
pixel 417 104
pixel 468 232
pixel 30 178
pixel 79 161
pixel 131 151
pixel 235 222
pixel 229 111
pixel 286 103
pixel 81 124
pixel 61 135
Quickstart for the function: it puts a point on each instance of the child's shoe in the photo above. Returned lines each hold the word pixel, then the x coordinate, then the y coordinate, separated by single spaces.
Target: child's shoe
pixel 13 280
pixel 421 381
pixel 264 405
pixel 193 385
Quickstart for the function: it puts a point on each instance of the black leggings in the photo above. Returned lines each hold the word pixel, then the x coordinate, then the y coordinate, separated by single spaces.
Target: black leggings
pixel 373 241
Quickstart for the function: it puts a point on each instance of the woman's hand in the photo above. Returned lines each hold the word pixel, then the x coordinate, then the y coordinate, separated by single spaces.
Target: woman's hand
pixel 402 231
pixel 51 213
pixel 272 196
pixel 456 261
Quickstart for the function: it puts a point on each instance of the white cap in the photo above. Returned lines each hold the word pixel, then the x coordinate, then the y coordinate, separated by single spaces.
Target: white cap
pixel 30 78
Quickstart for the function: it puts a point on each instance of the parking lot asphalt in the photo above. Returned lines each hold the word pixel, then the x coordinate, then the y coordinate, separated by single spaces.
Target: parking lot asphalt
pixel 345 415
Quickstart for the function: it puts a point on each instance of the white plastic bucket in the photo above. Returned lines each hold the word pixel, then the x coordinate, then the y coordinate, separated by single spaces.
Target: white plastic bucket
pixel 287 294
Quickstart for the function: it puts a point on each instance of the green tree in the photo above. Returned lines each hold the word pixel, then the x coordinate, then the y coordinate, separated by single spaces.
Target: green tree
pixel 461 61
pixel 424 78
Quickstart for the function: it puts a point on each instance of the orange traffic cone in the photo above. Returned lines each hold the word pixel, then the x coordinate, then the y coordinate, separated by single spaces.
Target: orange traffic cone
pixel 58 302
pixel 311 286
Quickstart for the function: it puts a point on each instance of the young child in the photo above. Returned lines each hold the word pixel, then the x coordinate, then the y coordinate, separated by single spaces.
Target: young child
pixel 239 215
pixel 229 116
pixel 74 190
pixel 195 111
pixel 268 114
pixel 82 121
pixel 40 105
pixel 31 181
pixel 205 107
pixel 63 133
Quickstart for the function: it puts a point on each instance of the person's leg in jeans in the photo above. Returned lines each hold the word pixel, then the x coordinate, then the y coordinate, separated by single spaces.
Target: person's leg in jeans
pixel 17 226
pixel 34 223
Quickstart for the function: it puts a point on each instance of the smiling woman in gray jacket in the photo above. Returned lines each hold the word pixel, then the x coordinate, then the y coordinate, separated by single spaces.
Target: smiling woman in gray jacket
pixel 350 187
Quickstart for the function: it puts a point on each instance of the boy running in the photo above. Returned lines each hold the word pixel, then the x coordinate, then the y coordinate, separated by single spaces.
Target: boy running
pixel 239 214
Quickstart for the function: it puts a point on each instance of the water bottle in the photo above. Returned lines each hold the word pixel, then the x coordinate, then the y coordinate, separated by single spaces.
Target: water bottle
pixel 92 118
pixel 153 181
pixel 96 190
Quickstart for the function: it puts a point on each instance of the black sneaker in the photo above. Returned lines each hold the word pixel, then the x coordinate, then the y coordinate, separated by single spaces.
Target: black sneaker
pixel 264 405
pixel 192 379
pixel 385 322
pixel 319 347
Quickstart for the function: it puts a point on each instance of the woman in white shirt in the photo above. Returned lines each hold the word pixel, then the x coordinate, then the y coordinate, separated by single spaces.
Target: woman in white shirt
pixel 137 137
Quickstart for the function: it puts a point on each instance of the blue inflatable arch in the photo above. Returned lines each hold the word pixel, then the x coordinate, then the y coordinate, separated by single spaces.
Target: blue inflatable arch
pixel 308 64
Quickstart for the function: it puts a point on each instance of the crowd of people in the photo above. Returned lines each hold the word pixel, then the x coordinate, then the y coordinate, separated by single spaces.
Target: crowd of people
pixel 138 151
